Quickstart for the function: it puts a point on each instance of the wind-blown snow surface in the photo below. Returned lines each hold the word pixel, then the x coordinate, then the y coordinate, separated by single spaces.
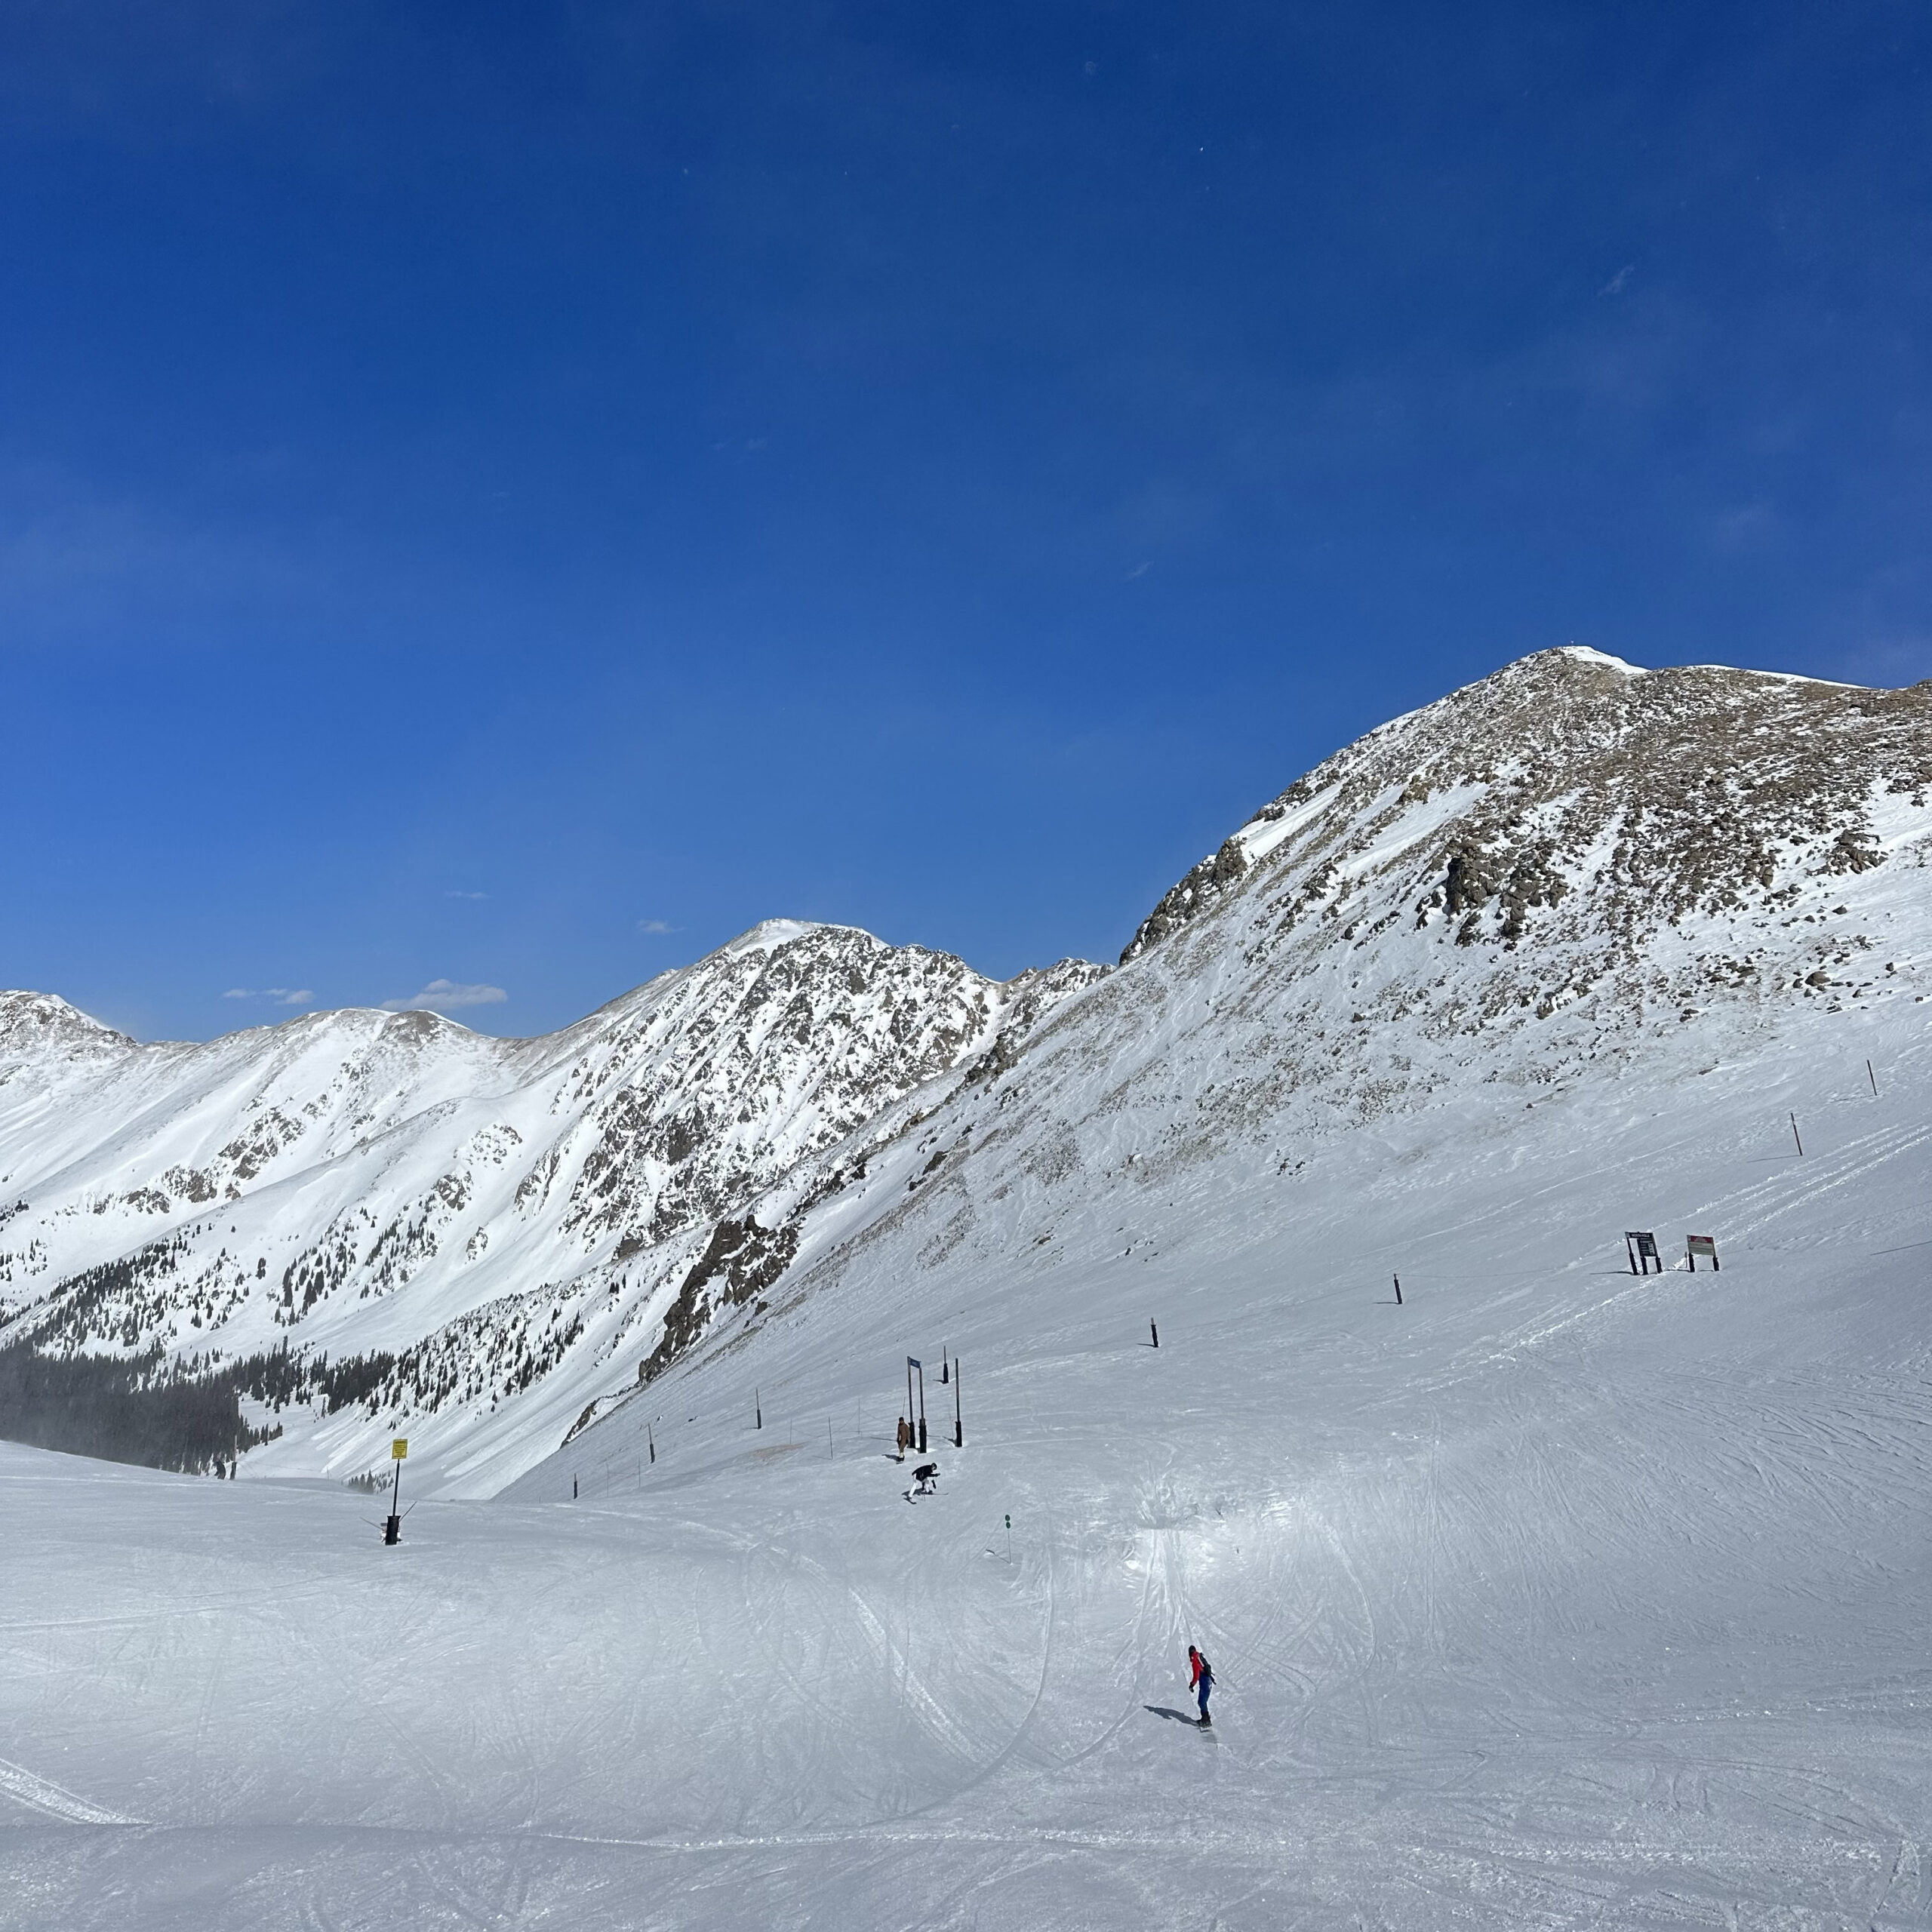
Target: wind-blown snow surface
pixel 1553 1597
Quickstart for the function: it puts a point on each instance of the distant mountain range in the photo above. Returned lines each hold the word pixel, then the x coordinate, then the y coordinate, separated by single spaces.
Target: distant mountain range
pixel 360 1221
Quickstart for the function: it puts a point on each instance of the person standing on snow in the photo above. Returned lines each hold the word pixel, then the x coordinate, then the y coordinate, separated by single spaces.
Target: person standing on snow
pixel 905 1436
pixel 1201 1681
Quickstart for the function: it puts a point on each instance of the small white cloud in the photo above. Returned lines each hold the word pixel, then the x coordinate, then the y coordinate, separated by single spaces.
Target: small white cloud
pixel 1138 570
pixel 446 996
pixel 466 895
pixel 655 926
pixel 1619 281
pixel 280 995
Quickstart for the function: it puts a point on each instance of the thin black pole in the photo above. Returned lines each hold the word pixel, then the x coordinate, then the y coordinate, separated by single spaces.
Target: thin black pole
pixel 958 1425
pixel 1873 1078
pixel 1398 1290
pixel 944 1366
pixel 651 1442
pixel 922 1408
pixel 758 1410
pixel 1795 1136
pixel 1154 1329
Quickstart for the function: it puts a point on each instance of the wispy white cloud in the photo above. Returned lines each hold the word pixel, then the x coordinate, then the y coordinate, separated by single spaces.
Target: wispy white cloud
pixel 1619 281
pixel 446 996
pixel 1744 526
pixel 466 895
pixel 655 926
pixel 280 995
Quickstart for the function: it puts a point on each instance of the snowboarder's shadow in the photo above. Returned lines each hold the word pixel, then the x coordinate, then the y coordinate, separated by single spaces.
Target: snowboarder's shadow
pixel 1179 1717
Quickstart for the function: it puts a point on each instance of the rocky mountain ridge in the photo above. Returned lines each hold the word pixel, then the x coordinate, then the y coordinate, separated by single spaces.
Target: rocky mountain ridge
pixel 1567 872
pixel 1572 879
pixel 465 1216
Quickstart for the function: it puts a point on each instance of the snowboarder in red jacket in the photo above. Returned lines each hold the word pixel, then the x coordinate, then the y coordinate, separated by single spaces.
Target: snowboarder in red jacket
pixel 1201 1679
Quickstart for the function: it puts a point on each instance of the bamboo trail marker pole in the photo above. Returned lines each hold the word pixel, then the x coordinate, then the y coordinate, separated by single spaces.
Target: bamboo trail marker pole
pixel 1873 1078
pixel 1397 1281
pixel 1154 1329
pixel 958 1423
pixel 758 1410
pixel 1795 1136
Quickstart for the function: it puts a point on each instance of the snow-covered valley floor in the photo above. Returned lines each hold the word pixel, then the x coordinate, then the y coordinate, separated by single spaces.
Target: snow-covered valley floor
pixel 1552 1598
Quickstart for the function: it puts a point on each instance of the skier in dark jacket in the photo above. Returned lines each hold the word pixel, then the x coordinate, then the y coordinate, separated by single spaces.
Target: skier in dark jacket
pixel 1202 1680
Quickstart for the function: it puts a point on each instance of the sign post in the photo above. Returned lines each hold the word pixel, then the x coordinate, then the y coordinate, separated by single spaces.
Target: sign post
pixel 392 1529
pixel 1703 1245
pixel 1642 1249
pixel 912 1362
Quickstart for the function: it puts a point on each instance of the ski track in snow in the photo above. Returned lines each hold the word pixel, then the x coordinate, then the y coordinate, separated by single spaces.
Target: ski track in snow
pixel 43 1795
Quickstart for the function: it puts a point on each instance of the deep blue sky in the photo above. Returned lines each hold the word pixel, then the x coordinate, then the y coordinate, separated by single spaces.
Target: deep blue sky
pixel 512 494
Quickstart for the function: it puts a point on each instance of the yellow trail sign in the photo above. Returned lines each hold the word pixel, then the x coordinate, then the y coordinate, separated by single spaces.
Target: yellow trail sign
pixel 399 1448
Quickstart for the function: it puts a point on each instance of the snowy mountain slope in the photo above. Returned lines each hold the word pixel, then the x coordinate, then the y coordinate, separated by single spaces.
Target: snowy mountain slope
pixel 1552 1598
pixel 1570 870
pixel 1571 873
pixel 498 1229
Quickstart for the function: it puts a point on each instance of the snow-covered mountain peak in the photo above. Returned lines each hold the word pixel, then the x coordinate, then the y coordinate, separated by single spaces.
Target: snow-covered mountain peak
pixel 1553 869
pixel 1584 654
pixel 769 934
pixel 1655 795
pixel 499 1228
pixel 32 1024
